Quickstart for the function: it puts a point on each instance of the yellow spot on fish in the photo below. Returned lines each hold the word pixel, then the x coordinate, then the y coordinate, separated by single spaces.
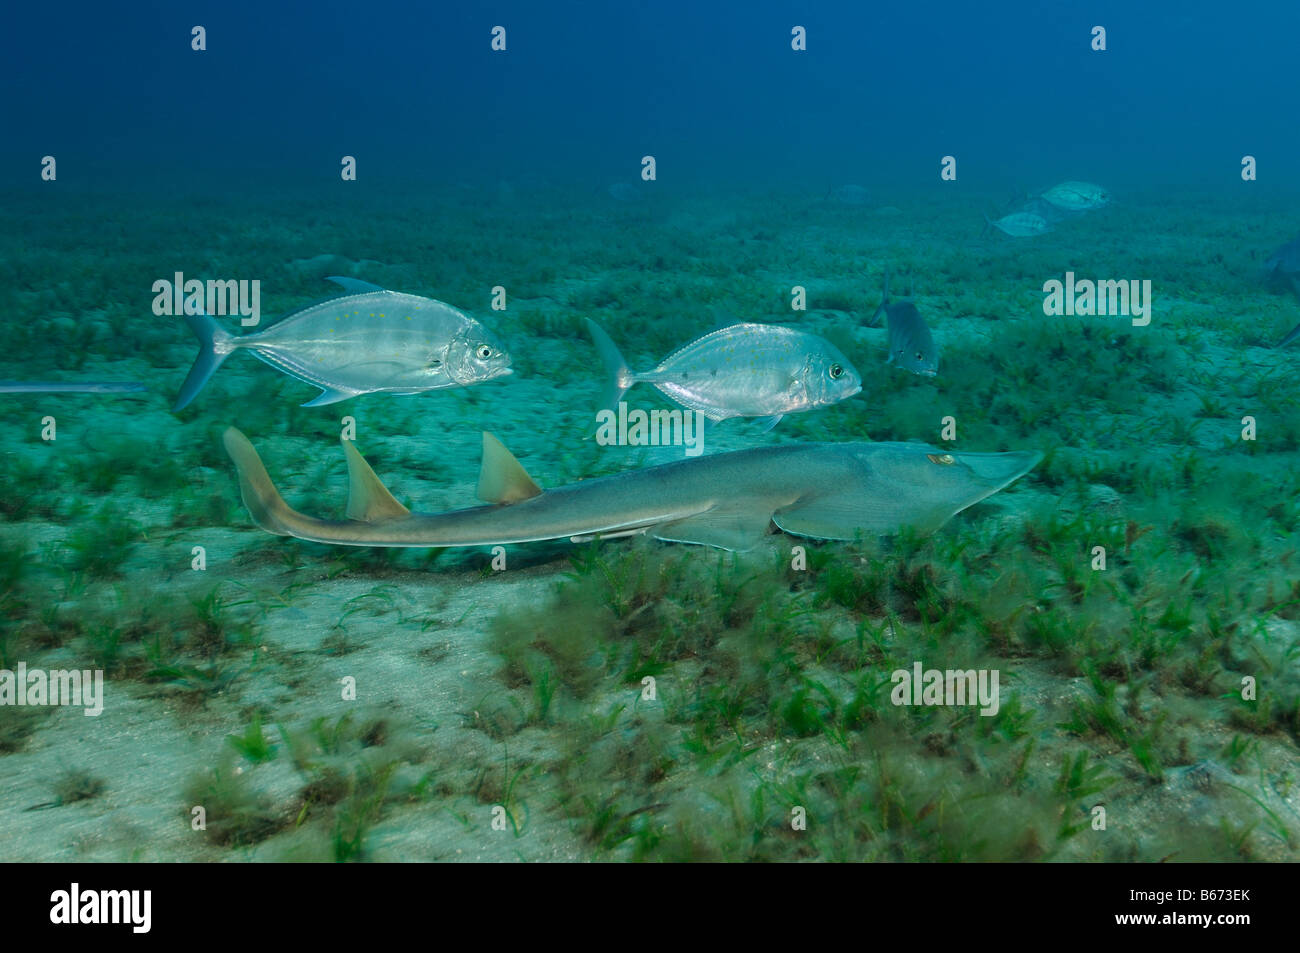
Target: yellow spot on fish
pixel 943 459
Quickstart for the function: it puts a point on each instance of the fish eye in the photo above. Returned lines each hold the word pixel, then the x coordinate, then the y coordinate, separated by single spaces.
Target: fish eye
pixel 836 372
pixel 483 352
pixel 943 459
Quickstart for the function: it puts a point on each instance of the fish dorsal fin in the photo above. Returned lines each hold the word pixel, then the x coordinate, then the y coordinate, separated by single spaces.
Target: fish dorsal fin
pixel 368 500
pixel 354 285
pixel 502 479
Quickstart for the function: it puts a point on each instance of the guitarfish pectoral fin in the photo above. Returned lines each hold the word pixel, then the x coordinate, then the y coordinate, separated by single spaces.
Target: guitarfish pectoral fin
pixel 726 528
pixel 838 516
pixel 903 485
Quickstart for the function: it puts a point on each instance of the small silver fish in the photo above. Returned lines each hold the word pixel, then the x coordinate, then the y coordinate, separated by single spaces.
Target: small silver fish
pixel 1049 213
pixel 1077 196
pixel 911 346
pixel 367 341
pixel 745 370
pixel 1020 224
pixel 625 192
pixel 68 387
pixel 849 195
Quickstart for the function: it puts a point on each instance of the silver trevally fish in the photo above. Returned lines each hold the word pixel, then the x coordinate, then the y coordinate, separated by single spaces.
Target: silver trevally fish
pixel 727 500
pixel 366 341
pixel 70 387
pixel 1048 212
pixel 745 370
pixel 911 346
pixel 1077 196
pixel 1020 224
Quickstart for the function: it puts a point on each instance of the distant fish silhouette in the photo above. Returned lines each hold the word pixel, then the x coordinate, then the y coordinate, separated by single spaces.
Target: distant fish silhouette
pixel 70 387
pixel 1282 270
pixel 849 195
pixel 624 192
pixel 1077 196
pixel 1284 264
pixel 1020 224
pixel 911 346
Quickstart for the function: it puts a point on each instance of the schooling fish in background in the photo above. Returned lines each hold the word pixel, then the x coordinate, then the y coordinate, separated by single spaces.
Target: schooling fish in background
pixel 727 500
pixel 66 387
pixel 1282 270
pixel 848 195
pixel 1019 224
pixel 1048 212
pixel 365 342
pixel 1077 196
pixel 745 370
pixel 1283 266
pixel 911 346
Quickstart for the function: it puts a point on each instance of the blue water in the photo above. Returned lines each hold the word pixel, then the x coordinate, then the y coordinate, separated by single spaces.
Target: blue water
pixel 714 91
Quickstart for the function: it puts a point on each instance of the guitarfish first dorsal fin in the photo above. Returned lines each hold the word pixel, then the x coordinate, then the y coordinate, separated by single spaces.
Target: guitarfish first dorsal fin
pixel 368 499
pixel 502 479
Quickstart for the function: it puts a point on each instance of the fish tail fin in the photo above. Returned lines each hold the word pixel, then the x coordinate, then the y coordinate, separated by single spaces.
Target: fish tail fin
pixel 214 346
pixel 264 502
pixel 988 224
pixel 1291 336
pixel 621 376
